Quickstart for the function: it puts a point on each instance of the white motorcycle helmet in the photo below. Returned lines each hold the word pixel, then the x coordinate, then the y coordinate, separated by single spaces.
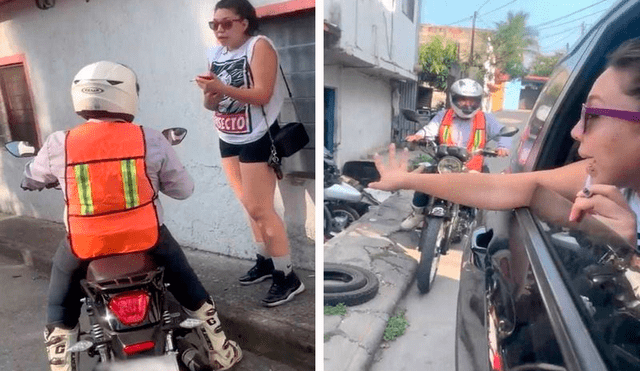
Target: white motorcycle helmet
pixel 465 88
pixel 105 90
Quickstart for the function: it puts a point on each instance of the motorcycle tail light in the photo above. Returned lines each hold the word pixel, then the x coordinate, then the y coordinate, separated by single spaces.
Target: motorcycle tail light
pixel 140 347
pixel 131 307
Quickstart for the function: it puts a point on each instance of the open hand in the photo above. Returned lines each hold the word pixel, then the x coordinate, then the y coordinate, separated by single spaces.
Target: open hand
pixel 393 174
pixel 607 204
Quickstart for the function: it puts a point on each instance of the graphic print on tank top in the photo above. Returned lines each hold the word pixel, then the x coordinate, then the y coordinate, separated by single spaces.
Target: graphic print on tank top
pixel 232 116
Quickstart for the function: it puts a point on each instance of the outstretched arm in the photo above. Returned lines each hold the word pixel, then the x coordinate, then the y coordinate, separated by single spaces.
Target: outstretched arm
pixel 485 191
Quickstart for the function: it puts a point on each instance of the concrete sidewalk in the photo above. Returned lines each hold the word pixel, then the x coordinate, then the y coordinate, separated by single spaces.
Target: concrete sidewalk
pixel 285 333
pixel 374 242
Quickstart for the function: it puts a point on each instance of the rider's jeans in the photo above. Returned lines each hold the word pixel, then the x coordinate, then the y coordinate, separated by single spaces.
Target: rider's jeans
pixel 65 291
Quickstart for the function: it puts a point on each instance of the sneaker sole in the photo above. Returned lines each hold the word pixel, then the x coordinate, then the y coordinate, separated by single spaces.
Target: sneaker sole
pixel 287 299
pixel 246 283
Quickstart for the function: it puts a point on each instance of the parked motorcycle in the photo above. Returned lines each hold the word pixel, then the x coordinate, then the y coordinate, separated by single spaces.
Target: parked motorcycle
pixel 345 197
pixel 132 324
pixel 445 222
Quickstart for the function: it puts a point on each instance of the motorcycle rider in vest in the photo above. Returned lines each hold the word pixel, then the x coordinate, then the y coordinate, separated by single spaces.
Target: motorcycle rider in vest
pixel 462 125
pixel 110 172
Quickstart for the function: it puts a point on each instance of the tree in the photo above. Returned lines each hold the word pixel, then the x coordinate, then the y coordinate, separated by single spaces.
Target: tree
pixel 544 64
pixel 436 59
pixel 510 41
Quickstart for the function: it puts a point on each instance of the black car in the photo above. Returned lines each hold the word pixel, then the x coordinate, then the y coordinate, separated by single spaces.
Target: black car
pixel 536 294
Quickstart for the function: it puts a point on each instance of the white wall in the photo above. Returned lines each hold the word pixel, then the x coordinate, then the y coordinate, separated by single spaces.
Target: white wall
pixel 363 112
pixel 377 32
pixel 165 43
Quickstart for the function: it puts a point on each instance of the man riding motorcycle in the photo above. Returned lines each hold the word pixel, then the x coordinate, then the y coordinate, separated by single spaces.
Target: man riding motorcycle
pixel 110 172
pixel 462 125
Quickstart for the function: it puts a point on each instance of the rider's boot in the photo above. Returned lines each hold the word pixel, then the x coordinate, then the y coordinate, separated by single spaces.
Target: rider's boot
pixel 414 219
pixel 222 352
pixel 58 341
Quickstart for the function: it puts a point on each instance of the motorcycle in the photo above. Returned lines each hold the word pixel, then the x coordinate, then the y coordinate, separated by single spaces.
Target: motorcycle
pixel 132 324
pixel 445 222
pixel 345 198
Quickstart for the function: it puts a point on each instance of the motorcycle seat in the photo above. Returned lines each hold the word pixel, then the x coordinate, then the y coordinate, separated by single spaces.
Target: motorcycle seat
pixel 120 266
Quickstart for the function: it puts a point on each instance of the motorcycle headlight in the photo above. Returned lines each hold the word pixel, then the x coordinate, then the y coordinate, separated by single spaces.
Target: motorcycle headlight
pixel 449 164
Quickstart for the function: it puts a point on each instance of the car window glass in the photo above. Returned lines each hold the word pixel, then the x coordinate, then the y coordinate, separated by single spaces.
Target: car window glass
pixel 604 282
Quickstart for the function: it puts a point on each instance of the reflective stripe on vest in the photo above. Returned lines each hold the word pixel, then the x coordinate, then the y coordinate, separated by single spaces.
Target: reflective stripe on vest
pixel 477 138
pixel 109 196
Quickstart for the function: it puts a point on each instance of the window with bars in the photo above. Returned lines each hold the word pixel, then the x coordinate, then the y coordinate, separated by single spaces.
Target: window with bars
pixel 408 7
pixel 17 120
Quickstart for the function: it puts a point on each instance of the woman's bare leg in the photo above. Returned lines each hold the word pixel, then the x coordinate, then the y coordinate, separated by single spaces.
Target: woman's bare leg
pixel 231 166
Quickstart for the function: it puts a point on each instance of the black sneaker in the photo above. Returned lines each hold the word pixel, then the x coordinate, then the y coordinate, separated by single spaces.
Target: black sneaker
pixel 283 289
pixel 260 272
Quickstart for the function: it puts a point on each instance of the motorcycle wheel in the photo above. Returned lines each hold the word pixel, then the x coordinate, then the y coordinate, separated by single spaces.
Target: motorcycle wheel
pixel 341 217
pixel 432 240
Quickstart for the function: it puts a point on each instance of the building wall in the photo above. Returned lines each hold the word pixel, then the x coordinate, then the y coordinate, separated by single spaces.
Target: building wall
pixel 363 112
pixel 165 42
pixel 459 35
pixel 377 32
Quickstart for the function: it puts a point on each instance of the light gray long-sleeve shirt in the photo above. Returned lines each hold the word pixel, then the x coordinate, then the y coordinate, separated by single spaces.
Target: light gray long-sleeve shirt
pixel 462 129
pixel 166 172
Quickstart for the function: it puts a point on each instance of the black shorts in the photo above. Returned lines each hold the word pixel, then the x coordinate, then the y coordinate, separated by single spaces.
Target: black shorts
pixel 257 151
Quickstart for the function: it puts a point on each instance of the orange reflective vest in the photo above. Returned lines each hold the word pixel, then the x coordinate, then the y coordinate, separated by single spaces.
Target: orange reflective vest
pixel 477 137
pixel 109 196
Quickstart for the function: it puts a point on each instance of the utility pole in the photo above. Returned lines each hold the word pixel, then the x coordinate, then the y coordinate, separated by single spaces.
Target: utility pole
pixel 473 32
pixel 582 29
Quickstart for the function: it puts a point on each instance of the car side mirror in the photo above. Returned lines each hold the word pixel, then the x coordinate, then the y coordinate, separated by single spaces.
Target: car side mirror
pixel 21 149
pixel 174 135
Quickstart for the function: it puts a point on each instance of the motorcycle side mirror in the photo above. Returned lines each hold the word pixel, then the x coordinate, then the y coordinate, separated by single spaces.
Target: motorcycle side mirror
pixel 505 131
pixel 174 135
pixel 20 149
pixel 410 115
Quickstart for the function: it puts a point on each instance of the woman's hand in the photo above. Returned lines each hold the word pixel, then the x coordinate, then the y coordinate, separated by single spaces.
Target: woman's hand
pixel 210 83
pixel 212 100
pixel 393 174
pixel 608 205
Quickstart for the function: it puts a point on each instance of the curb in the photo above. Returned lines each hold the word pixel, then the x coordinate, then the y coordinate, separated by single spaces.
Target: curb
pixel 373 242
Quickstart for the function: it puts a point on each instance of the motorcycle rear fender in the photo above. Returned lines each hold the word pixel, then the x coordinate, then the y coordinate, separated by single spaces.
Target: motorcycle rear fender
pixel 119 340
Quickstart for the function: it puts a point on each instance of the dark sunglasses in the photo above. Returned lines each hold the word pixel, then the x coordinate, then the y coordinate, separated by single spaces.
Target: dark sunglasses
pixel 589 112
pixel 225 23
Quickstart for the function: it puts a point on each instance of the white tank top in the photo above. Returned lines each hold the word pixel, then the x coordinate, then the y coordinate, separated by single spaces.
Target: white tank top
pixel 235 121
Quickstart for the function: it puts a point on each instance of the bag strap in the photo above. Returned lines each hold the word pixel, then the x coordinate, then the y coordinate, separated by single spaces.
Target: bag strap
pixel 295 110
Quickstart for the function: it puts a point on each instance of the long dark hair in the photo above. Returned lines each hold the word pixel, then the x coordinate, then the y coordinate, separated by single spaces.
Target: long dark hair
pixel 244 9
pixel 627 58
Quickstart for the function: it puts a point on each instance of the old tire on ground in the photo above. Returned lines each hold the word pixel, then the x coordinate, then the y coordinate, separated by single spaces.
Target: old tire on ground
pixel 348 284
pixel 431 241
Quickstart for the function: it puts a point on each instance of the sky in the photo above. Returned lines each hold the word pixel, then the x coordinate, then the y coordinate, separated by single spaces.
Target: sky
pixel 554 21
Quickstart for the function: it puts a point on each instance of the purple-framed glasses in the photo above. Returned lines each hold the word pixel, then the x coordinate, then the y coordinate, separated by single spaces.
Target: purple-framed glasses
pixel 587 112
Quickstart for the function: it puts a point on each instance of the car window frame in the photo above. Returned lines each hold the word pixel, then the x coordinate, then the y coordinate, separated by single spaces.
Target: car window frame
pixel 573 336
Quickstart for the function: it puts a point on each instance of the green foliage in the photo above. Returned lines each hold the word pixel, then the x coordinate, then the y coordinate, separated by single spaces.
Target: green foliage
pixel 395 327
pixel 436 59
pixel 543 66
pixel 338 310
pixel 510 41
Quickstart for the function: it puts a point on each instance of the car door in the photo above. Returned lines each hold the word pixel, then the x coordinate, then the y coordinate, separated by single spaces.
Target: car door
pixel 522 302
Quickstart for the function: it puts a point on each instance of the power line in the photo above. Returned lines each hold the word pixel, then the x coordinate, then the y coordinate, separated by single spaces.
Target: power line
pixel 560 39
pixel 489 12
pixel 485 3
pixel 559 33
pixel 464 19
pixel 573 20
pixel 565 16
